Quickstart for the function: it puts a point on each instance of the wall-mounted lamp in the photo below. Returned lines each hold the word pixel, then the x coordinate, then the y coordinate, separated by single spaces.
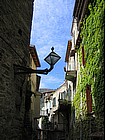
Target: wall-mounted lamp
pixel 51 59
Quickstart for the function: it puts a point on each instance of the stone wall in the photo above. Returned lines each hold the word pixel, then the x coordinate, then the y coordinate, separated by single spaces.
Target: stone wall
pixel 15 27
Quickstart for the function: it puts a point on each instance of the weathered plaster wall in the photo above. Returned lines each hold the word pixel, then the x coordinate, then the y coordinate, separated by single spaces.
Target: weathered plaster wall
pixel 15 27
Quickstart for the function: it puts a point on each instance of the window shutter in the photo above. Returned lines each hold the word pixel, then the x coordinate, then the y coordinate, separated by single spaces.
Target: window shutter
pixel 89 99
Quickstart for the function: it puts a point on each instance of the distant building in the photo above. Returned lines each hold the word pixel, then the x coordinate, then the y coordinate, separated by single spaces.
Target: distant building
pixel 57 110
pixel 45 93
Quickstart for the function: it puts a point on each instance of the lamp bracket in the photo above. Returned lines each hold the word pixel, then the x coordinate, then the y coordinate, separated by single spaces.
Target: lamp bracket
pixel 26 70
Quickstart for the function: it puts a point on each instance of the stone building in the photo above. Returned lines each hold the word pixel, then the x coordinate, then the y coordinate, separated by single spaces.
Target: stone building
pixel 86 53
pixel 15 28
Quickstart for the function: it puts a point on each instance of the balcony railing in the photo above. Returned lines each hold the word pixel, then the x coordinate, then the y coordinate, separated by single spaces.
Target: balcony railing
pixel 64 105
pixel 43 113
pixel 71 75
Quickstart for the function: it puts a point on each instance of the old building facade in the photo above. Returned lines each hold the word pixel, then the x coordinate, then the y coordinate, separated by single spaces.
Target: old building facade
pixel 88 41
pixel 15 27
pixel 57 113
pixel 32 100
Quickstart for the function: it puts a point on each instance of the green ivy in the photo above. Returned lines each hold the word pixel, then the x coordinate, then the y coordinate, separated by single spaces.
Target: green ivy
pixel 92 34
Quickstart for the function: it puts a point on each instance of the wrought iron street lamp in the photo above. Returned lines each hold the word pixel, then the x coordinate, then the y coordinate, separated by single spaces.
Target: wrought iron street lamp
pixel 51 59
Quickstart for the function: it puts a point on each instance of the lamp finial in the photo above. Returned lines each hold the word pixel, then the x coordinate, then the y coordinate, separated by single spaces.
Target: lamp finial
pixel 52 49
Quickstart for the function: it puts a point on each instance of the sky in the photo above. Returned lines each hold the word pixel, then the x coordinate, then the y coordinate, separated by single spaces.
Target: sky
pixel 51 26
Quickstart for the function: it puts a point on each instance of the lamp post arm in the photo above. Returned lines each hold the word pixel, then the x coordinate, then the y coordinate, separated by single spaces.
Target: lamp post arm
pixel 25 70
pixel 51 59
pixel 51 67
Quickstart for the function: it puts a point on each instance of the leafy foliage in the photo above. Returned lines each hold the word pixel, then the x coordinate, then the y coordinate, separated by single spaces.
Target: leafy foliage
pixel 92 34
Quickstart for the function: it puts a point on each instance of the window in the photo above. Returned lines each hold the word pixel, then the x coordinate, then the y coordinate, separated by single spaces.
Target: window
pixel 69 93
pixel 89 98
pixel 47 111
pixel 62 95
pixel 54 102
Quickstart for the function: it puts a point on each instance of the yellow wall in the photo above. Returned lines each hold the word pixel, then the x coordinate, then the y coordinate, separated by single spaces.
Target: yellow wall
pixel 35 98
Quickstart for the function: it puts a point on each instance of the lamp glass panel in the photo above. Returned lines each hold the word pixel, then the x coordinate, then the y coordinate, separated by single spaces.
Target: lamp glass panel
pixel 48 59
pixel 52 58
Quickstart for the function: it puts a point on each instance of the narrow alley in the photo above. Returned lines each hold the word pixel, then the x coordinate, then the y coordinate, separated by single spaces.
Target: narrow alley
pixel 72 108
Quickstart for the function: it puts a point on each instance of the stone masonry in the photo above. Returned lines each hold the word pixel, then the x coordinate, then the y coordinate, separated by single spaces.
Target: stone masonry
pixel 15 27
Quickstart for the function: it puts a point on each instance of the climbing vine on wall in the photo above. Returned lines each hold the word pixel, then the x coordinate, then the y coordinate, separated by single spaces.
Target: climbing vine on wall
pixel 92 34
